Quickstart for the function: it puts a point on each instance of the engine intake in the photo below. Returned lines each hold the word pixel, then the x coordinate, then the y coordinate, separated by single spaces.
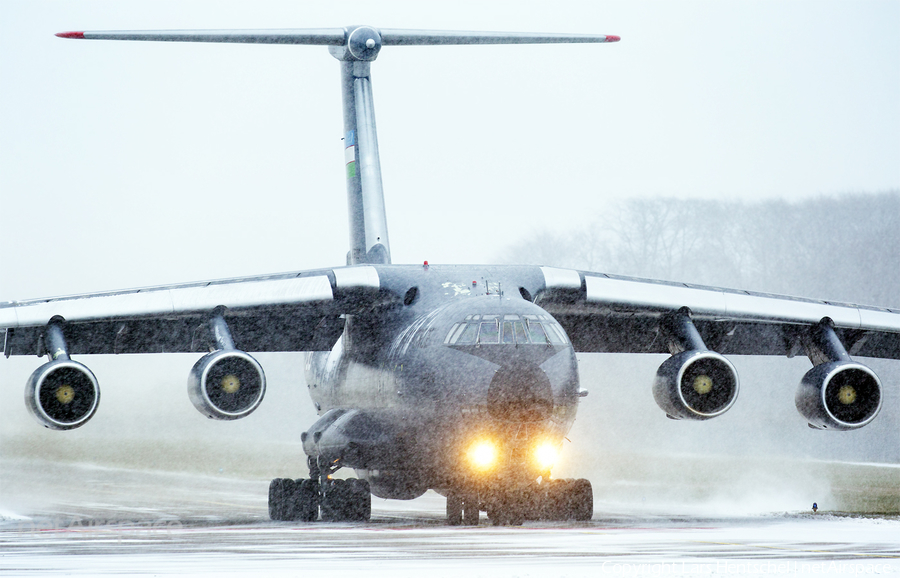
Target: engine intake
pixel 226 384
pixel 695 385
pixel 62 394
pixel 840 395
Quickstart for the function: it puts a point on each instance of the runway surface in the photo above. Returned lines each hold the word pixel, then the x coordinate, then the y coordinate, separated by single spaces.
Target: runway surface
pixel 87 520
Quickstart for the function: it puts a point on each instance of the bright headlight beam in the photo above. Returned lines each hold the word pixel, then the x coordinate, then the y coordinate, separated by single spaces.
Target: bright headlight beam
pixel 545 454
pixel 483 454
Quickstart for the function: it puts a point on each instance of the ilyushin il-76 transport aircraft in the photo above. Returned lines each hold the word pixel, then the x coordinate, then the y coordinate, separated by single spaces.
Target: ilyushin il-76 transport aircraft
pixel 460 379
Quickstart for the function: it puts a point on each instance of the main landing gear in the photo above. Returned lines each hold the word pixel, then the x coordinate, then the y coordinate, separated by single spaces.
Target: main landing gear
pixel 302 500
pixel 553 500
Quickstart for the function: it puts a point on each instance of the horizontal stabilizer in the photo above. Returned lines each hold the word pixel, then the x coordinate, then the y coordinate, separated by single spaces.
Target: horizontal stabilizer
pixel 338 36
pixel 393 37
pixel 314 36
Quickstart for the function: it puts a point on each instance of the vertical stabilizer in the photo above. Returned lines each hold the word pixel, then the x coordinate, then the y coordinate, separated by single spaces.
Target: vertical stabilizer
pixel 365 196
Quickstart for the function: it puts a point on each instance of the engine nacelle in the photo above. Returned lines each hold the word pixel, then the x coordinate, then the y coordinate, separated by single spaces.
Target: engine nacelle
pixel 62 394
pixel 695 385
pixel 226 384
pixel 840 395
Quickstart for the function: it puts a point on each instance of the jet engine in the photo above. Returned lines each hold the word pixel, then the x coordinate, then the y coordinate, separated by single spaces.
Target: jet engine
pixel 837 393
pixel 840 395
pixel 695 385
pixel 226 384
pixel 62 394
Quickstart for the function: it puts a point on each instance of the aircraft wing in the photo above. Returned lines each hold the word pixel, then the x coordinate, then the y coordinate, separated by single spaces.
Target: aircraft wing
pixel 609 313
pixel 286 312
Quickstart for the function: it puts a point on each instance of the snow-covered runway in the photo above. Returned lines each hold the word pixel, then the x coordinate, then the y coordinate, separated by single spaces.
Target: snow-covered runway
pixel 417 545
pixel 129 522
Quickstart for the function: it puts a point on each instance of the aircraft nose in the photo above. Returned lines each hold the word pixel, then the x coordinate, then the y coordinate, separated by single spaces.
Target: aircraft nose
pixel 520 393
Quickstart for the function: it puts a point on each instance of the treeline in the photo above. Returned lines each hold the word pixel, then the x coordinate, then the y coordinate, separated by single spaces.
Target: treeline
pixel 841 248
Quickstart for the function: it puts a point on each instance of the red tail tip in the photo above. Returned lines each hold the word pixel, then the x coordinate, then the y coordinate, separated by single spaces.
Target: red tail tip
pixel 612 39
pixel 79 35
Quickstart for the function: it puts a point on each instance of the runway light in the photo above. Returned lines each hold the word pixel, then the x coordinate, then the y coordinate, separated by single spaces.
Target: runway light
pixel 483 454
pixel 545 454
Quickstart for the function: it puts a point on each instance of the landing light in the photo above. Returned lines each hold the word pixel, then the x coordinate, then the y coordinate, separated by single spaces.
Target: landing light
pixel 483 454
pixel 545 454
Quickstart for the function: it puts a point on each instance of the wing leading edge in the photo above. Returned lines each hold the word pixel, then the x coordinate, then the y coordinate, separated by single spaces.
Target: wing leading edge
pixel 287 312
pixel 609 313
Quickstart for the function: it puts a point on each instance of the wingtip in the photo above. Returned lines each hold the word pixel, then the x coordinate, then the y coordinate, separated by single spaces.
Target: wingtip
pixel 79 35
pixel 611 38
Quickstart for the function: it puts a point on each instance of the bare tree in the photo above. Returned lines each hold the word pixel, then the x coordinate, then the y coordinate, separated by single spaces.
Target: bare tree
pixel 830 247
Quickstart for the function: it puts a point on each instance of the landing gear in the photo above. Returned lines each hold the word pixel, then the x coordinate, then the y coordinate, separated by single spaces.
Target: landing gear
pixel 300 500
pixel 553 500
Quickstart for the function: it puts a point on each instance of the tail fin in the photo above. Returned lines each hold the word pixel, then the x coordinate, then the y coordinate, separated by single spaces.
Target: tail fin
pixel 356 47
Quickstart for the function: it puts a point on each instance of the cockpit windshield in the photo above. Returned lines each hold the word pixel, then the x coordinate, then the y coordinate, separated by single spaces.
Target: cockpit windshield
pixel 506 329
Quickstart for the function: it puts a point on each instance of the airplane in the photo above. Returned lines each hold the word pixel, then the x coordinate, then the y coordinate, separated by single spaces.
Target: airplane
pixel 457 378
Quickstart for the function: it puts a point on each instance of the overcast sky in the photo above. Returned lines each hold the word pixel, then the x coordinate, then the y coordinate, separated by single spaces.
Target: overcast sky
pixel 128 164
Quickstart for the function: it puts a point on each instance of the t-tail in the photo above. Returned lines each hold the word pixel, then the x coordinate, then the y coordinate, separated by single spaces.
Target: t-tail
pixel 356 47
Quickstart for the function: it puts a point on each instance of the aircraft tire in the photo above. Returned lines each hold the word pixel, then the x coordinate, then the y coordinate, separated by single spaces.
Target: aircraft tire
pixel 306 500
pixel 567 500
pixel 550 502
pixel 454 509
pixel 580 502
pixel 508 508
pixel 360 500
pixel 346 501
pixel 280 492
pixel 334 498
pixel 471 512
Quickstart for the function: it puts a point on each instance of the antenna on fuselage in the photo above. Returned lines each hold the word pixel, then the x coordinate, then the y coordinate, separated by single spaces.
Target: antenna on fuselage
pixel 355 47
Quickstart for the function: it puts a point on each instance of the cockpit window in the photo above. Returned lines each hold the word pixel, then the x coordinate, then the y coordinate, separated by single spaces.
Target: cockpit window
pixel 512 329
pixel 454 333
pixel 535 331
pixel 554 332
pixel 468 335
pixel 509 334
pixel 490 332
pixel 521 336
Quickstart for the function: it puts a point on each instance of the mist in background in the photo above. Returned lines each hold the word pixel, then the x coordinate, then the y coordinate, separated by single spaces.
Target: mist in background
pixel 837 248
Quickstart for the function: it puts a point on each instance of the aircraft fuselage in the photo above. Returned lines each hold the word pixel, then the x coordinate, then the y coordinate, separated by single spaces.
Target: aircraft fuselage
pixel 408 394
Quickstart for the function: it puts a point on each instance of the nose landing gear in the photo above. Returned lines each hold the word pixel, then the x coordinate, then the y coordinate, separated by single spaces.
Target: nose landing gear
pixel 510 505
